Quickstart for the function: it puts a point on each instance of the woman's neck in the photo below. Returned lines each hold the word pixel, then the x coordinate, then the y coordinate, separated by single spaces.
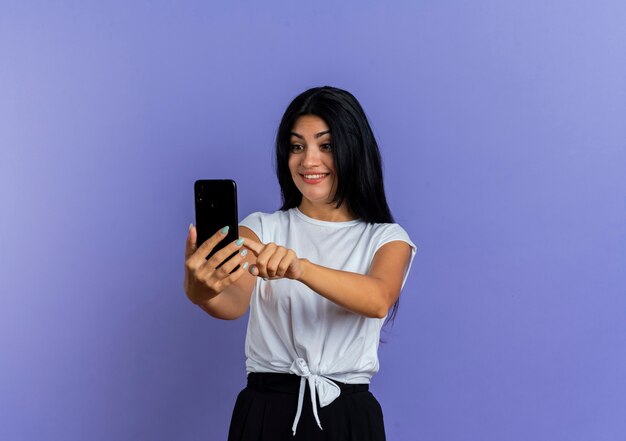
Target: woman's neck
pixel 326 211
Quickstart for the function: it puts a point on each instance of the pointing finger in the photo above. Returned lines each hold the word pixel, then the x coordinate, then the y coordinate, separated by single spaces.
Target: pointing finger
pixel 254 246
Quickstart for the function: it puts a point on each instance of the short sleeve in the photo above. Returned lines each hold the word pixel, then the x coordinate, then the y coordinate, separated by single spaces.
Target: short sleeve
pixel 254 222
pixel 391 233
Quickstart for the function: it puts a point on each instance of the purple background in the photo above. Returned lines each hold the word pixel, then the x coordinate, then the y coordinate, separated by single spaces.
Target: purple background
pixel 502 127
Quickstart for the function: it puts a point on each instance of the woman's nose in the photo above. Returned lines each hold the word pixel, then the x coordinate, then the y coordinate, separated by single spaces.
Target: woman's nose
pixel 311 157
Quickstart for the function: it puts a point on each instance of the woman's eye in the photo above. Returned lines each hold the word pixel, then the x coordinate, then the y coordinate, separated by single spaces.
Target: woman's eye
pixel 296 147
pixel 327 147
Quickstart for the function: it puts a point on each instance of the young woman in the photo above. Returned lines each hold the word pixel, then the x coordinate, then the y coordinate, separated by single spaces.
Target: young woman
pixel 319 276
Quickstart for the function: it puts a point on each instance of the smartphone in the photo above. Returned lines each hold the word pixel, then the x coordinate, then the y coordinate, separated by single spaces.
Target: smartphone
pixel 216 207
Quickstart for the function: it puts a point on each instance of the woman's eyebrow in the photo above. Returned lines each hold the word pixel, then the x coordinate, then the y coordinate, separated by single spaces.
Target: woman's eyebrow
pixel 317 135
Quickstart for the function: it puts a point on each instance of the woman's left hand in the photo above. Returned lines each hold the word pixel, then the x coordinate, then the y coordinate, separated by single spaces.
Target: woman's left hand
pixel 274 261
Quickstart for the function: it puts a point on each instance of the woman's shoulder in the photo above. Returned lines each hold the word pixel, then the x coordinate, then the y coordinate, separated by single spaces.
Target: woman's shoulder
pixel 266 225
pixel 382 233
pixel 260 221
pixel 387 228
pixel 260 216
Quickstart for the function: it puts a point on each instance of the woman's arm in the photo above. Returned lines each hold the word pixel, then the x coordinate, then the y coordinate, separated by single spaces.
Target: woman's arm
pixel 371 295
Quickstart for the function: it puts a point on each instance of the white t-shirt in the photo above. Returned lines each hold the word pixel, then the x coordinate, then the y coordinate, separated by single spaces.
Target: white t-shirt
pixel 290 325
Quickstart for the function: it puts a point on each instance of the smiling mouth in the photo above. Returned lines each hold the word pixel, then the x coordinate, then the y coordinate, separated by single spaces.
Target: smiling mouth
pixel 315 176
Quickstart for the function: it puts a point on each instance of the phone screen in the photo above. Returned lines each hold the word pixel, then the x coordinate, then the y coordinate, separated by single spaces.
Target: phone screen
pixel 216 207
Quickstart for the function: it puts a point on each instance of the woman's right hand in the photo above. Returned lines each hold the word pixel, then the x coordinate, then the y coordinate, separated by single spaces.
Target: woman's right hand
pixel 203 279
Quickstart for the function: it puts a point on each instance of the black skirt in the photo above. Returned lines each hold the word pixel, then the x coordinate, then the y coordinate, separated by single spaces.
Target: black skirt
pixel 265 411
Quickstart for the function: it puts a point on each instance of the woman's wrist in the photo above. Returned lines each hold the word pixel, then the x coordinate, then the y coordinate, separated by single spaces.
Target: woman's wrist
pixel 304 266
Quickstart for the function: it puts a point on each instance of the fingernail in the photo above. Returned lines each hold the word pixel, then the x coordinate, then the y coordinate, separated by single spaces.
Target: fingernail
pixel 243 252
pixel 251 269
pixel 225 229
pixel 245 265
pixel 190 225
pixel 239 242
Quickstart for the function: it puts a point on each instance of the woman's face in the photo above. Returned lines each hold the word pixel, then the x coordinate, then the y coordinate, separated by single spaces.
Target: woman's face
pixel 311 159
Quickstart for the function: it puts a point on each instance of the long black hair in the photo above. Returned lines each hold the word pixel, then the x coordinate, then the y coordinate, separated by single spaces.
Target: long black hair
pixel 358 165
pixel 356 156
